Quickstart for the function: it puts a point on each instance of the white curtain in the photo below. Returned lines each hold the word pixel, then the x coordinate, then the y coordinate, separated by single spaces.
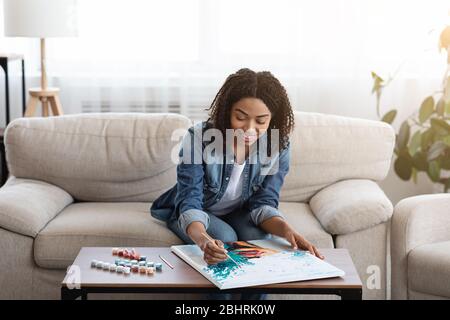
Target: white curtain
pixel 173 55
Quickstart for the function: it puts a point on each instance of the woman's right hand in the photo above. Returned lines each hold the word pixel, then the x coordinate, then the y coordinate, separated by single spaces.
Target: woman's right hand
pixel 213 251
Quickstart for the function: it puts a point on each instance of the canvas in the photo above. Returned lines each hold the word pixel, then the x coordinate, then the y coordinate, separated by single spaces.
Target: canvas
pixel 258 262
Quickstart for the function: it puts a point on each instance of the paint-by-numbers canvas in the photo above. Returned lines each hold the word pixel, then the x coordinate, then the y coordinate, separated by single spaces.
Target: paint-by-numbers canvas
pixel 259 262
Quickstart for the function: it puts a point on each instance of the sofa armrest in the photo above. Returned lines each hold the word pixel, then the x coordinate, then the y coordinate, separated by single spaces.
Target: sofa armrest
pixel 351 205
pixel 417 221
pixel 26 206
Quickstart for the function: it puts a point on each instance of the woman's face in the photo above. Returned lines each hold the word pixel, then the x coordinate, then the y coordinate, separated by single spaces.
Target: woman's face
pixel 252 116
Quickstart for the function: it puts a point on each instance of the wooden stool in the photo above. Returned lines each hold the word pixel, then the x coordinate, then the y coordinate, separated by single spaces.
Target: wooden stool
pixel 44 94
pixel 49 95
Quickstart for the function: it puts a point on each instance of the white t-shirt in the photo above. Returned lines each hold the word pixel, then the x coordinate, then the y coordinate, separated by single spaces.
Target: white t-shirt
pixel 232 196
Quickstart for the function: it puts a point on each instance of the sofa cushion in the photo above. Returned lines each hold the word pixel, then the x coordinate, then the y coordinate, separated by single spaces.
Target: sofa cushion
pixel 26 205
pixel 97 224
pixel 350 206
pixel 328 148
pixel 98 157
pixel 428 269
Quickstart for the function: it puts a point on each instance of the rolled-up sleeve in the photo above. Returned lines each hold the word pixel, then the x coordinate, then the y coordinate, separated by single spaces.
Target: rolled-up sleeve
pixel 263 204
pixel 192 215
pixel 189 199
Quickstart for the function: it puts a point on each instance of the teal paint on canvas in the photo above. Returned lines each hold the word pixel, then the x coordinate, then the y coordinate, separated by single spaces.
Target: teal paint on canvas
pixel 261 262
pixel 222 270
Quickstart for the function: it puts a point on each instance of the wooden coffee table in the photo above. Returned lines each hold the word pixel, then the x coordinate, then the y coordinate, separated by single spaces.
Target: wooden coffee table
pixel 184 279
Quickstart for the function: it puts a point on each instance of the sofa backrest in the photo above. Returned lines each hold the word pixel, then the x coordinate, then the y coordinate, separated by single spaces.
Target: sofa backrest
pixel 328 148
pixel 127 156
pixel 97 157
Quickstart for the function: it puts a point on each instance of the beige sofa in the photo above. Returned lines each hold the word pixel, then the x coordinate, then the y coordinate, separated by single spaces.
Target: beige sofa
pixel 421 248
pixel 89 179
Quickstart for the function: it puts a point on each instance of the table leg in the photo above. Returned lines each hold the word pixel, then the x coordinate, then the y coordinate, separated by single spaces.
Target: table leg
pixel 56 105
pixel 31 108
pixel 7 94
pixel 4 168
pixel 45 107
pixel 73 294
pixel 351 294
pixel 23 87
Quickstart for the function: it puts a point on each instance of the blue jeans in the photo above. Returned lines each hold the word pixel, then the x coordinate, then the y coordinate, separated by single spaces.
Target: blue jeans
pixel 234 226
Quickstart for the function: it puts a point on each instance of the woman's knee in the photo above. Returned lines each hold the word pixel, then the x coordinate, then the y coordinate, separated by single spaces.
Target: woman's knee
pixel 219 229
pixel 245 228
pixel 252 233
pixel 223 234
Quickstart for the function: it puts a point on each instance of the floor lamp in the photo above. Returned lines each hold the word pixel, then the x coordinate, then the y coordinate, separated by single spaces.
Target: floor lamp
pixel 41 19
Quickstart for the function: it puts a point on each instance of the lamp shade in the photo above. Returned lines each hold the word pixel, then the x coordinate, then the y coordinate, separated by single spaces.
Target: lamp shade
pixel 40 18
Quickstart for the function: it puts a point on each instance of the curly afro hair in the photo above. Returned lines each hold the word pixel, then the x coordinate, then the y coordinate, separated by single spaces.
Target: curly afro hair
pixel 246 83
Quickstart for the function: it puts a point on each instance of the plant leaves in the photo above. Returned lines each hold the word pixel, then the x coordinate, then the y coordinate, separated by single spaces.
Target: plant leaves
pixel 403 135
pixel 440 107
pixel 436 150
pixel 403 165
pixel 427 139
pixel 445 161
pixel 389 117
pixel 419 161
pixel 434 170
pixel 444 38
pixel 440 126
pixel 447 185
pixel 446 140
pixel 415 142
pixel 414 175
pixel 377 83
pixel 426 109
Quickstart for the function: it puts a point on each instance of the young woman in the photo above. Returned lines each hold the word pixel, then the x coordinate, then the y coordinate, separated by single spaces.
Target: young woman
pixel 235 200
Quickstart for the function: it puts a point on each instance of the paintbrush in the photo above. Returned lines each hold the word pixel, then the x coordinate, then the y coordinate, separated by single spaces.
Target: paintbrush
pixel 229 257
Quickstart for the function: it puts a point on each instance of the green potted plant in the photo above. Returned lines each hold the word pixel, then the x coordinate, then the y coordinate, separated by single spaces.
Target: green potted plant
pixel 423 140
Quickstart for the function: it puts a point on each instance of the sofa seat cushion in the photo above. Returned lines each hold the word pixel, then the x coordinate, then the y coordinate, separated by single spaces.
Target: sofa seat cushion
pixel 301 218
pixel 98 224
pixel 428 269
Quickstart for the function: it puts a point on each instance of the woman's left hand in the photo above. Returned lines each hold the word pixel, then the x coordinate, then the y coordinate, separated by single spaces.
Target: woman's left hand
pixel 298 242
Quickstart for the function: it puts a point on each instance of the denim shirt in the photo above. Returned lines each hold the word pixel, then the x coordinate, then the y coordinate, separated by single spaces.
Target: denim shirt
pixel 201 185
